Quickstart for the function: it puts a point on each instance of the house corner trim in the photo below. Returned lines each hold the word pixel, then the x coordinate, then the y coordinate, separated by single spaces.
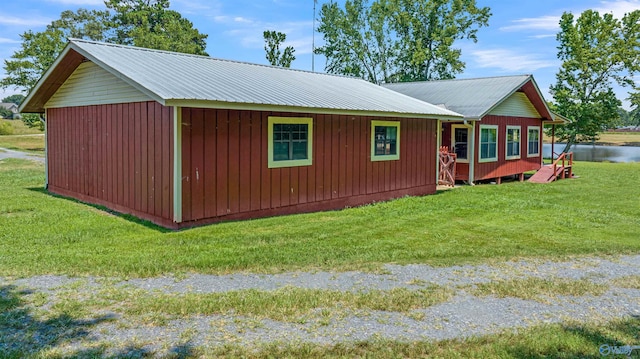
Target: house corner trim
pixel 177 164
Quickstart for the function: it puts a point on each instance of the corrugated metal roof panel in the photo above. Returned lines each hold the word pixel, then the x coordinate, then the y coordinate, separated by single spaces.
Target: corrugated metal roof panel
pixel 471 97
pixel 175 76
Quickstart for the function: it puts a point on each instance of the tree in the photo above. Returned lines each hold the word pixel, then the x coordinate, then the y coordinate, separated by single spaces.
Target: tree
pixel 634 114
pixel 596 52
pixel 428 30
pixel 17 99
pixel 150 24
pixel 5 113
pixel 39 50
pixel 145 23
pixel 273 40
pixel 358 41
pixel 398 40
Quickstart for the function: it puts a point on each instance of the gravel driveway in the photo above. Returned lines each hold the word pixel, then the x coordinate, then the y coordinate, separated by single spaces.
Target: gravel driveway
pixel 463 315
pixel 7 153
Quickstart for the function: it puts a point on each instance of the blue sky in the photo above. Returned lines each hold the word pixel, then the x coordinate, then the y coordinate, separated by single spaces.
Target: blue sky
pixel 520 37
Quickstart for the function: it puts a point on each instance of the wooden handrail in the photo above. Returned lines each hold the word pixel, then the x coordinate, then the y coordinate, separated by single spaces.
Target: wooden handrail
pixel 563 158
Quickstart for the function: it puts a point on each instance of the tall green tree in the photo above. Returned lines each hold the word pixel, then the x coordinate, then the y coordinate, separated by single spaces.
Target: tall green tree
pixel 597 51
pixel 428 30
pixel 398 40
pixel 151 24
pixel 144 23
pixel 358 41
pixel 634 115
pixel 275 56
pixel 39 50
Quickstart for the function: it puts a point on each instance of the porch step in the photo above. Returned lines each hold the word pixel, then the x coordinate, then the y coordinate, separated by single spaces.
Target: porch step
pixel 546 174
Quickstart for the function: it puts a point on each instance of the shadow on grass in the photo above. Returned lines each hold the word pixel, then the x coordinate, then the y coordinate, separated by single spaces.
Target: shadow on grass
pixel 612 335
pixel 124 216
pixel 24 335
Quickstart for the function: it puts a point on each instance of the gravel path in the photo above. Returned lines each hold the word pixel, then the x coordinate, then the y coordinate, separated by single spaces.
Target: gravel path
pixel 7 153
pixel 461 316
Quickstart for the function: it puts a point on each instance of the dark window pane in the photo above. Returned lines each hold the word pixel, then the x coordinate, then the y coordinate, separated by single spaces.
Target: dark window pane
pixel 290 142
pixel 299 150
pixel 385 140
pixel 281 151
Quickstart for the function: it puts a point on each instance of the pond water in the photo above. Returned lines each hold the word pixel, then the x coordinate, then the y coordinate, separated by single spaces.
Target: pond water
pixel 593 153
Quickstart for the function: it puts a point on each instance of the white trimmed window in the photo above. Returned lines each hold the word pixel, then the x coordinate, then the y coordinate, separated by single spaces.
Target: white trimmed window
pixel 385 140
pixel 488 143
pixel 533 138
pixel 290 141
pixel 512 151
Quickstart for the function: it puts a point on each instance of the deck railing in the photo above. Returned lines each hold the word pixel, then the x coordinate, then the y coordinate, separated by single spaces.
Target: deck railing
pixel 567 165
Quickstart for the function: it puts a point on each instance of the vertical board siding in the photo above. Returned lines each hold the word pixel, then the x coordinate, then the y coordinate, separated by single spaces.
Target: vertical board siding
pixel 225 170
pixel 504 167
pixel 119 156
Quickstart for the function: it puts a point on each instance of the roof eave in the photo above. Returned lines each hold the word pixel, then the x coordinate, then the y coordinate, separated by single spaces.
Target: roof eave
pixel 47 86
pixel 302 109
pixel 26 105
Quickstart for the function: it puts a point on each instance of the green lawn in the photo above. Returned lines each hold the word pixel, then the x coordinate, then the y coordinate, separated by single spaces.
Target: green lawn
pixel 596 214
pixel 33 144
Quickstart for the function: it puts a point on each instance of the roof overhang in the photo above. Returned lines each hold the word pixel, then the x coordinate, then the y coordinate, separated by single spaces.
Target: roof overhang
pixel 558 119
pixel 50 82
pixel 66 63
pixel 301 109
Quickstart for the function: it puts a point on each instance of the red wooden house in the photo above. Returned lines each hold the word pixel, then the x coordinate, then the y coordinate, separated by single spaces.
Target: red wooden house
pixel 503 121
pixel 182 140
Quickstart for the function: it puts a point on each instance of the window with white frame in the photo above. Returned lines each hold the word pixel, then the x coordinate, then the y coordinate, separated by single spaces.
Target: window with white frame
pixel 488 143
pixel 290 141
pixel 533 138
pixel 385 140
pixel 513 143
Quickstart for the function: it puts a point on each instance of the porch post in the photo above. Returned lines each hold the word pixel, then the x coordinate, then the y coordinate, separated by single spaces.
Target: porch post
pixel 553 141
pixel 438 144
pixel 472 152
pixel 177 164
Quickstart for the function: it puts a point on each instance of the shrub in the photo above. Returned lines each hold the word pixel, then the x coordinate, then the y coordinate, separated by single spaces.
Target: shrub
pixel 5 128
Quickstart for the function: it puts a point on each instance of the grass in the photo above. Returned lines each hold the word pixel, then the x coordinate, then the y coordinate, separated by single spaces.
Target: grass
pixel 539 289
pixel 19 128
pixel 30 144
pixel 548 341
pixel 619 139
pixel 287 304
pixel 597 214
pixel 612 139
pixel 24 139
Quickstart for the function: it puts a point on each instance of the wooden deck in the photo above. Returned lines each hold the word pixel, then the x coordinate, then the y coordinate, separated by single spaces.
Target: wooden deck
pixel 561 168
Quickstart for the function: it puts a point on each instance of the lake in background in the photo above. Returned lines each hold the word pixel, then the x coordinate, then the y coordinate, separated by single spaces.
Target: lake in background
pixel 593 153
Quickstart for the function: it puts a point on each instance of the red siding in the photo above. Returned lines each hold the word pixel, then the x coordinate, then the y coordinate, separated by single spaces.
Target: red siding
pixel 119 156
pixel 503 167
pixel 238 183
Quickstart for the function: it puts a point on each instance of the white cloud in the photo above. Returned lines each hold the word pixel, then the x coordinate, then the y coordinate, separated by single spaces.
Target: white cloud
pixel 17 21
pixel 249 33
pixel 242 20
pixel 4 40
pixel 535 23
pixel 542 36
pixel 508 60
pixel 618 8
pixel 550 22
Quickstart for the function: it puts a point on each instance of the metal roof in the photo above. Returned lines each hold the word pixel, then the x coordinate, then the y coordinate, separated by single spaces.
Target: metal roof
pixel 176 79
pixel 473 98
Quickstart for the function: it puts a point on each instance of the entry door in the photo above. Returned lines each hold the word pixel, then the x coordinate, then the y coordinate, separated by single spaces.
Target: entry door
pixel 460 141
